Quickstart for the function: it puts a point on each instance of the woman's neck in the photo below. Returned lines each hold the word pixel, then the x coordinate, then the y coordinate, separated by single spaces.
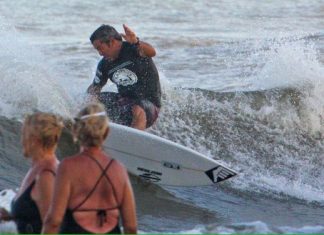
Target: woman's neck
pixel 43 156
pixel 91 150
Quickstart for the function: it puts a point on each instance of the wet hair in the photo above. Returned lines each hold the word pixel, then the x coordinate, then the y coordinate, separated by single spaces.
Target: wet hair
pixel 105 33
pixel 46 127
pixel 91 125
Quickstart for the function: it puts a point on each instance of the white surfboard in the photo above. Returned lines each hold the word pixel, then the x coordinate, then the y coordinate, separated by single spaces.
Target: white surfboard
pixel 162 161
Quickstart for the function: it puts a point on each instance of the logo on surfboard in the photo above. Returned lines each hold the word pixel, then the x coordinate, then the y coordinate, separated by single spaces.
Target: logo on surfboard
pixel 148 175
pixel 219 173
pixel 171 165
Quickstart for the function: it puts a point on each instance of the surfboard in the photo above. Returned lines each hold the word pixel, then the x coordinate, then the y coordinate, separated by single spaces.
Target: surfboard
pixel 161 161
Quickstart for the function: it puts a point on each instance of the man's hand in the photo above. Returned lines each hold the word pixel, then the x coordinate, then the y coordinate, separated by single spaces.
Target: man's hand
pixel 144 48
pixel 93 92
pixel 129 35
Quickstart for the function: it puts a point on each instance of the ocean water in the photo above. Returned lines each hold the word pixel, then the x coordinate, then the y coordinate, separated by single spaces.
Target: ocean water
pixel 243 82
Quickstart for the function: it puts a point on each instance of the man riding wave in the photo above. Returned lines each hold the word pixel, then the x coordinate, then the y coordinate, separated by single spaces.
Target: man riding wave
pixel 129 65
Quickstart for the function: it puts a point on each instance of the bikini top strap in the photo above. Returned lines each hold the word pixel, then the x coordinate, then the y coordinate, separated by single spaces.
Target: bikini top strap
pixel 103 174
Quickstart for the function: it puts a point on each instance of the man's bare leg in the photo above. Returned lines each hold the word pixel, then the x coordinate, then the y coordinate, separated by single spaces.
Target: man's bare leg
pixel 139 118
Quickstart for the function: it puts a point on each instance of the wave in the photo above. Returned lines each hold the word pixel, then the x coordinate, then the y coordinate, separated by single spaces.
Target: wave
pixel 255 227
pixel 272 137
pixel 27 83
pixel 267 136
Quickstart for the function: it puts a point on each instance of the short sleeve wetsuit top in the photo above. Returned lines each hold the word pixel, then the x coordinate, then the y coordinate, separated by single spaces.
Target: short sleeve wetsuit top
pixel 136 77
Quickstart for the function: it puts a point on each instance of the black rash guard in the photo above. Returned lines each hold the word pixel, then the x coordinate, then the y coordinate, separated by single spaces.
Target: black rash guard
pixel 136 77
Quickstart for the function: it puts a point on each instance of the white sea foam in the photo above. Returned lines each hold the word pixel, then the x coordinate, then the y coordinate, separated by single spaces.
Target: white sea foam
pixel 26 82
pixel 6 197
pixel 255 227
pixel 295 64
pixel 260 227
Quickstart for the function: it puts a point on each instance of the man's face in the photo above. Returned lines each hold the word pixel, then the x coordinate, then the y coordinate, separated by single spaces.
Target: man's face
pixel 106 50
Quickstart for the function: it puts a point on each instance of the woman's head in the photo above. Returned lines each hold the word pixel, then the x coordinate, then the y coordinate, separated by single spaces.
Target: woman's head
pixel 41 130
pixel 91 126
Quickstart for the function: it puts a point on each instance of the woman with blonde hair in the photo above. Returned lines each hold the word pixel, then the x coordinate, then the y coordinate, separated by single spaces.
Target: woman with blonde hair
pixel 40 135
pixel 92 190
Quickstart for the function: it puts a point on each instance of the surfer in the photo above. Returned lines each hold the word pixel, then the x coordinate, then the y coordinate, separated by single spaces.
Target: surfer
pixel 40 134
pixel 129 65
pixel 92 189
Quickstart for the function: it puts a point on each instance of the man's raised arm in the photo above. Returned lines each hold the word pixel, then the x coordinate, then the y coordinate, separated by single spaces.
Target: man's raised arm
pixel 144 48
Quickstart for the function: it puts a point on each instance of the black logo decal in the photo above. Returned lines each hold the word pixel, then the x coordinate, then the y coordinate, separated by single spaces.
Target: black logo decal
pixel 219 174
pixel 171 165
pixel 148 175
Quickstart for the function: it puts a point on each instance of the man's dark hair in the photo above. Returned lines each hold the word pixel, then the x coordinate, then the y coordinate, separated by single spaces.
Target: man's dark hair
pixel 105 33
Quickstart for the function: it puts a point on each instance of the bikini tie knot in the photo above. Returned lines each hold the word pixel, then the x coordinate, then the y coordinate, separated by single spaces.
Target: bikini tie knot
pixel 102 217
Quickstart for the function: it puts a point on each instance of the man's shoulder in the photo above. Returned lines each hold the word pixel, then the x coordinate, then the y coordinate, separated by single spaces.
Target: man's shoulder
pixel 103 67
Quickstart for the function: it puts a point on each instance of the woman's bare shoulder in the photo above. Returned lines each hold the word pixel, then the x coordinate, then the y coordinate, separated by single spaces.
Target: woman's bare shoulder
pixel 69 163
pixel 118 169
pixel 71 159
pixel 117 164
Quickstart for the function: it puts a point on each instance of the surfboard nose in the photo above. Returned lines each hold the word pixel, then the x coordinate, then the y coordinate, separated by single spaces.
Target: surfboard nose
pixel 219 173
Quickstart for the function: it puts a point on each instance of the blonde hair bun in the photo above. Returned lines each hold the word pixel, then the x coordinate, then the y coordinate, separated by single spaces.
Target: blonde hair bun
pixel 91 125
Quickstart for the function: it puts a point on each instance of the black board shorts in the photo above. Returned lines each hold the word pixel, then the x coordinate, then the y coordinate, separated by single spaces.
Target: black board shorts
pixel 119 109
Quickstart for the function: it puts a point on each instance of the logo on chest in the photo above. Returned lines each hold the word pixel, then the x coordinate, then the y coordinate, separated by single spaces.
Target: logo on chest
pixel 124 77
